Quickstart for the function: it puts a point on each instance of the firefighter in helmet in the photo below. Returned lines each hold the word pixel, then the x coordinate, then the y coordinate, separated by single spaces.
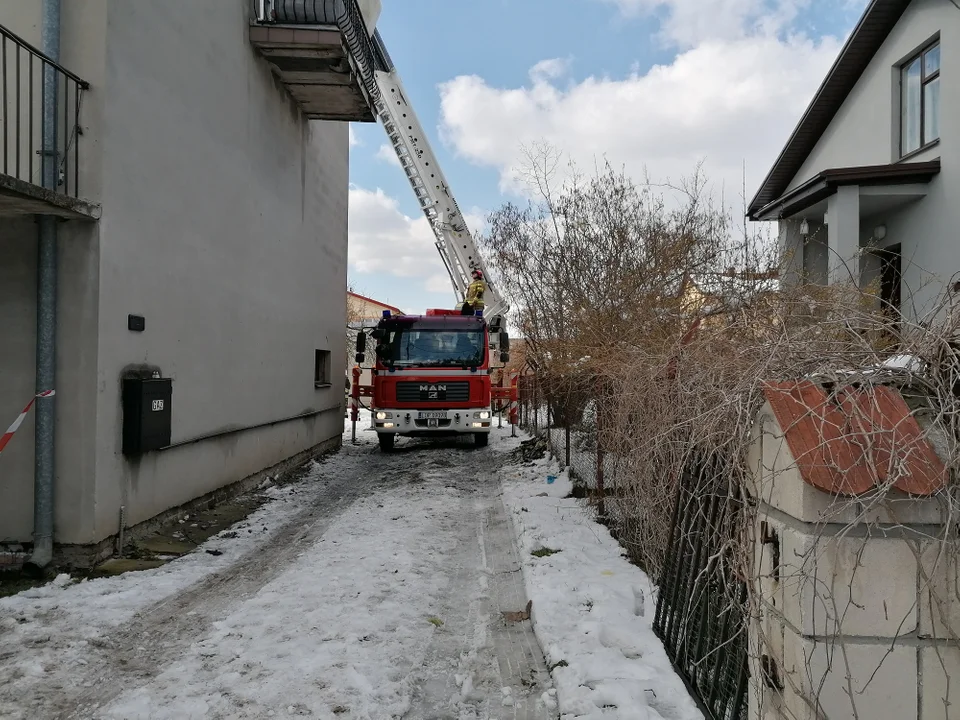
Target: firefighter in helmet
pixel 474 298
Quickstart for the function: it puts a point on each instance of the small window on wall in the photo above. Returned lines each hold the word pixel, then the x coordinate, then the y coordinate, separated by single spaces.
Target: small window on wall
pixel 321 368
pixel 920 100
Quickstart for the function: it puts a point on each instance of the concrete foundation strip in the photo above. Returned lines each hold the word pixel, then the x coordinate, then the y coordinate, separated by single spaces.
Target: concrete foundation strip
pixel 5 438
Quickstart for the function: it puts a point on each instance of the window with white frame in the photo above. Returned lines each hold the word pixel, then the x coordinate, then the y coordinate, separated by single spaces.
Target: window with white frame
pixel 920 100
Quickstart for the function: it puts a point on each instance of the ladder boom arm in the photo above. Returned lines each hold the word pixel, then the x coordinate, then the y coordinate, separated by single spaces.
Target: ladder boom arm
pixel 452 236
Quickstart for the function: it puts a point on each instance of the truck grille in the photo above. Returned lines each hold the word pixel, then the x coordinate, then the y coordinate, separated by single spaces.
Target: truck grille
pixel 426 423
pixel 410 392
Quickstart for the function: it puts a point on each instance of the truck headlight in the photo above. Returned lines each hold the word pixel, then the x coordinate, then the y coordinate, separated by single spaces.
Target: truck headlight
pixel 382 415
pixel 483 415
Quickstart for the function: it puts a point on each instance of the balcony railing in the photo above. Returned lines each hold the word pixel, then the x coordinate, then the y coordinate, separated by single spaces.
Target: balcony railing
pixel 28 114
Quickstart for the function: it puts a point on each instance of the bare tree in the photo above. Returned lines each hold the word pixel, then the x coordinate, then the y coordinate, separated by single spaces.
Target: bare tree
pixel 648 306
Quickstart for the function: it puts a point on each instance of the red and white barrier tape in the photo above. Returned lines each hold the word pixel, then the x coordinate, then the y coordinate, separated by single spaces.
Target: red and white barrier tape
pixel 5 438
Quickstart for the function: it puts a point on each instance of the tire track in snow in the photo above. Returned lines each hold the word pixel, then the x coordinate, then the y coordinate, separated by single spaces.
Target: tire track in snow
pixel 339 633
pixel 478 666
pixel 475 646
pixel 160 633
pixel 522 664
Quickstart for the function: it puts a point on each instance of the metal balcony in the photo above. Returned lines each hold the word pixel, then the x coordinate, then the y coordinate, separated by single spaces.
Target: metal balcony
pixel 39 178
pixel 322 53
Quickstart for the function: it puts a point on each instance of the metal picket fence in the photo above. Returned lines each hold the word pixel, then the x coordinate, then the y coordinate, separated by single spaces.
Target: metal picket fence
pixel 701 612
pixel 575 443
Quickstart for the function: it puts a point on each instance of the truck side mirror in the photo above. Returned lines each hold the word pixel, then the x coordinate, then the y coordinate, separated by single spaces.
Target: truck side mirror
pixel 361 342
pixel 504 340
pixel 359 357
pixel 504 357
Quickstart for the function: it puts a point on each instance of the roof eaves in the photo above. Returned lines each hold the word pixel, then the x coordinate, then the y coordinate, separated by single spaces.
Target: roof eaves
pixel 376 302
pixel 868 36
pixel 823 184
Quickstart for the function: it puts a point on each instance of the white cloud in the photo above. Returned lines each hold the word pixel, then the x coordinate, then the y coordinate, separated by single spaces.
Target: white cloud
pixel 732 99
pixel 687 23
pixel 354 140
pixel 549 69
pixel 387 154
pixel 383 240
pixel 439 283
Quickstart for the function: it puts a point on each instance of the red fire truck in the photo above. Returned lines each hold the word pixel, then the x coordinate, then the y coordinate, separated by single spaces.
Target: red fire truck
pixel 431 375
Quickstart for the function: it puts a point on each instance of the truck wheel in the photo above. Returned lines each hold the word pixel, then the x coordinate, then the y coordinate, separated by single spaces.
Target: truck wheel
pixel 480 439
pixel 386 441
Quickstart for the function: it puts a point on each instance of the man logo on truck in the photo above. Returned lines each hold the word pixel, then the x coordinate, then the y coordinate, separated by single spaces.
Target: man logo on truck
pixel 433 391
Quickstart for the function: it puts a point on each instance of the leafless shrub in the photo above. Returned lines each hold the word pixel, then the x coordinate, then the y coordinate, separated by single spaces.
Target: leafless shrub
pixel 650 307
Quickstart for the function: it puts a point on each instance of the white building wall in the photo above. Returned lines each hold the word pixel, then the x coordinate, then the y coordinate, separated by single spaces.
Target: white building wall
pixel 224 221
pixel 82 51
pixel 226 215
pixel 865 131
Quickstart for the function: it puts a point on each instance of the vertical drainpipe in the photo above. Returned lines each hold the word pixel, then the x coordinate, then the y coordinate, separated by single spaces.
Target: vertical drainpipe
pixel 46 305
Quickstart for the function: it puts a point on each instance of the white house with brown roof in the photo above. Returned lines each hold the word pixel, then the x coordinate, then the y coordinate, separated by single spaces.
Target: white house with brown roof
pixel 867 187
pixel 361 308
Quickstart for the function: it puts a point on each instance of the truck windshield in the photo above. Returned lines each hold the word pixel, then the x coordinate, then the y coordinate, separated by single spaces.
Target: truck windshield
pixel 410 345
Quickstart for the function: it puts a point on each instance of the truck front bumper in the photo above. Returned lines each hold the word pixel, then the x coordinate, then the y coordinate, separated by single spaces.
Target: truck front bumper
pixel 431 422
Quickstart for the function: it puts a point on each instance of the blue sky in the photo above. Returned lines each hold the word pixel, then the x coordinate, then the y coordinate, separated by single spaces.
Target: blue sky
pixel 655 84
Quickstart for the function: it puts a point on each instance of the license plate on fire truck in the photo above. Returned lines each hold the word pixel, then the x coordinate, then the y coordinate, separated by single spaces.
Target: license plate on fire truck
pixel 432 415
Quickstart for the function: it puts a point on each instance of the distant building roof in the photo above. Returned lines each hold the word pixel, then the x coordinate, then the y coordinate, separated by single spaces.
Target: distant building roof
pixel 848 443
pixel 391 308
pixel 737 283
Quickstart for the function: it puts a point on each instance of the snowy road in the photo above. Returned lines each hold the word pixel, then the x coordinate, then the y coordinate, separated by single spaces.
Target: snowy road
pixel 372 589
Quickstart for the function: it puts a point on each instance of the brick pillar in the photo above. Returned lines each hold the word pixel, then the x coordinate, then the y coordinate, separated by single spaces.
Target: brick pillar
pixel 845 592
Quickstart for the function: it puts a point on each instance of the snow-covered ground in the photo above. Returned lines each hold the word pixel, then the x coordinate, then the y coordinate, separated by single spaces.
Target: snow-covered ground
pixel 373 588
pixel 592 609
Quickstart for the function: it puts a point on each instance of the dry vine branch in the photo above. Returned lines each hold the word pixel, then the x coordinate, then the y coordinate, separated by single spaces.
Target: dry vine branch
pixel 645 312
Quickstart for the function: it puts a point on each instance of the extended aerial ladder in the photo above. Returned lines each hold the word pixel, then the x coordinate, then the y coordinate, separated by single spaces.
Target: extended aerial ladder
pixel 452 236
pixel 385 92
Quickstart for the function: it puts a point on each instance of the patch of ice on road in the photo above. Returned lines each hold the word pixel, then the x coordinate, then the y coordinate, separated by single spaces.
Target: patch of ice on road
pixel 592 609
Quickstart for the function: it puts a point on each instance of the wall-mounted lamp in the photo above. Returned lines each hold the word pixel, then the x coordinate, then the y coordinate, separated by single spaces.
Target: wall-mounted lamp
pixel 879 232
pixel 804 228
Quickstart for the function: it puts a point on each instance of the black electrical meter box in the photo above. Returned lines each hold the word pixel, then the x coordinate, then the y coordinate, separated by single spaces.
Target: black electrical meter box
pixel 146 414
